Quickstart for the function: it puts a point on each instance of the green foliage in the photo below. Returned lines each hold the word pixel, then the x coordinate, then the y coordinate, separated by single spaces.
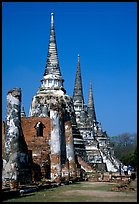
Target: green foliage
pixel 125 148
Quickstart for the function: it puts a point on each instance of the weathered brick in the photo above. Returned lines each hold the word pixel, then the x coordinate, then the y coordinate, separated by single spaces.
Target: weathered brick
pixel 39 145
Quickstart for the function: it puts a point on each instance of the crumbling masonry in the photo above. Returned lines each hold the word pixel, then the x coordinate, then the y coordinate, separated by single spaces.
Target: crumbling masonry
pixel 59 134
pixel 17 160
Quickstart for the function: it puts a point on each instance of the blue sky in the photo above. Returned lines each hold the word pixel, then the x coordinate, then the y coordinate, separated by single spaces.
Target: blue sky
pixel 105 36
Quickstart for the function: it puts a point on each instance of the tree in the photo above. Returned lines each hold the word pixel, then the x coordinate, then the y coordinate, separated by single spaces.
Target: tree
pixel 125 148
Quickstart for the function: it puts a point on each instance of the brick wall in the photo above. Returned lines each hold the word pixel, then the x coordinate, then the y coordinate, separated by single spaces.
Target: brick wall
pixel 39 145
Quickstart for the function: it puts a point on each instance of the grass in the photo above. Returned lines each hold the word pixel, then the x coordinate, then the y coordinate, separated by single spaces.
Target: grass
pixel 79 192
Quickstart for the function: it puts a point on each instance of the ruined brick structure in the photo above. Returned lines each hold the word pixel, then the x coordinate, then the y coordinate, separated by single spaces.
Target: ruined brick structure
pixel 59 136
pixel 17 159
pixel 48 128
pixel 38 143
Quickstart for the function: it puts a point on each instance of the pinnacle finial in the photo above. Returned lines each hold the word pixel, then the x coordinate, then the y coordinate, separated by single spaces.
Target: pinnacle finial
pixel 52 17
pixel 78 57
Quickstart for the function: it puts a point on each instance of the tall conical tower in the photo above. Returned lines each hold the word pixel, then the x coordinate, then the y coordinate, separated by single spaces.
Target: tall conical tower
pixel 78 90
pixel 52 101
pixel 78 101
pixel 91 107
pixel 52 81
pixel 91 112
pixel 52 78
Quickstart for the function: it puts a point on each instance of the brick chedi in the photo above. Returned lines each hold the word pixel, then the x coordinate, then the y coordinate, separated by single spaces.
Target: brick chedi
pixel 78 101
pixel 51 101
pixel 96 141
pixel 103 155
pixel 61 135
pixel 91 142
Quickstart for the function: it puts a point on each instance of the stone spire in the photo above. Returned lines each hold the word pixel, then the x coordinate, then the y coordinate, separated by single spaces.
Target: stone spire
pixel 52 78
pixel 91 108
pixel 78 91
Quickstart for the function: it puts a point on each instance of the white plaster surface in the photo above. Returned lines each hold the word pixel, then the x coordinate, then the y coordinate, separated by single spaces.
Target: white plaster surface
pixel 55 132
pixel 12 100
pixel 70 152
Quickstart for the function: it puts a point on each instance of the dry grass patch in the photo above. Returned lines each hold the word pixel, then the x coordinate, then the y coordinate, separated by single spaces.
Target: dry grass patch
pixel 80 192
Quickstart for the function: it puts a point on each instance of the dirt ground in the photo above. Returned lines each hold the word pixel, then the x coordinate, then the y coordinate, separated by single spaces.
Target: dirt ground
pixel 104 192
pixel 83 192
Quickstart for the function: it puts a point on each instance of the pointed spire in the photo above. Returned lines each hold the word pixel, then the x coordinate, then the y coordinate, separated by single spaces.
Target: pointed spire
pixel 91 108
pixel 90 97
pixel 23 114
pixel 78 59
pixel 52 19
pixel 52 78
pixel 78 90
pixel 52 63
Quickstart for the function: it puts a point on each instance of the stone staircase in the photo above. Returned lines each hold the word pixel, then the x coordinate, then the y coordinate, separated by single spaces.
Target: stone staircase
pixel 111 162
pixel 85 166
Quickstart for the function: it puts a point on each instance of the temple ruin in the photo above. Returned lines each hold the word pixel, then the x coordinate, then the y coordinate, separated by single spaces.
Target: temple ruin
pixel 61 135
